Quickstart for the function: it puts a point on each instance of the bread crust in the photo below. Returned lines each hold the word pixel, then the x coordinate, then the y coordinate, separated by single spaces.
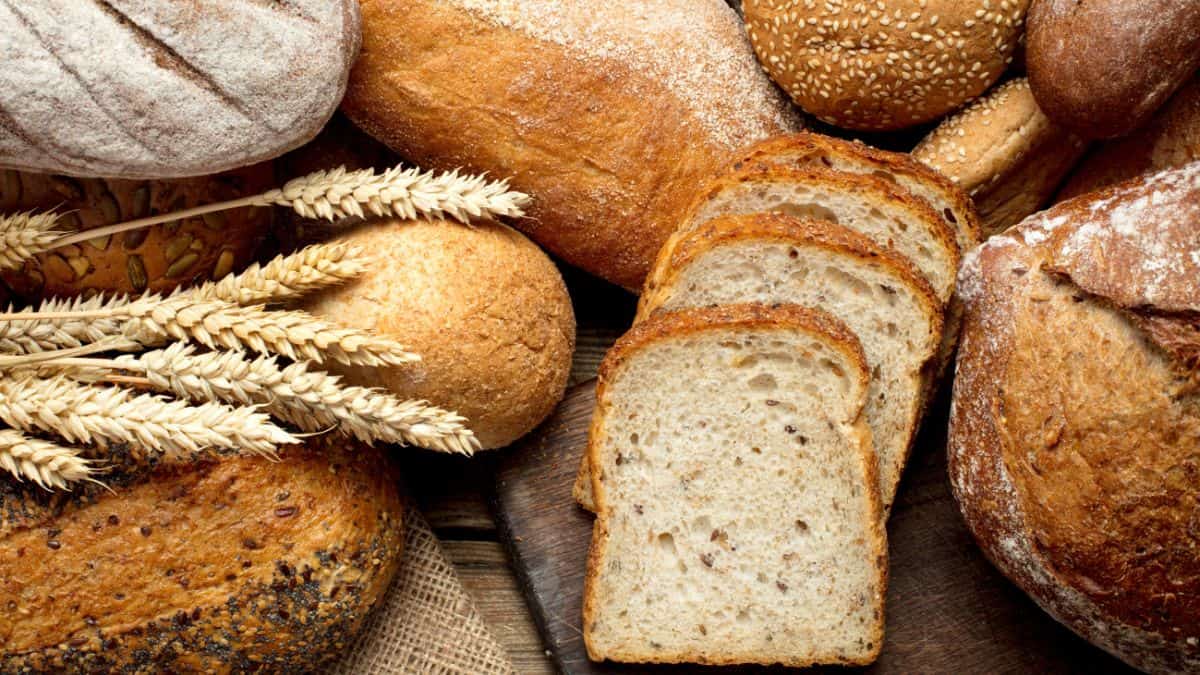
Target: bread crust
pixel 214 564
pixel 1073 422
pixel 1101 68
pixel 665 326
pixel 593 130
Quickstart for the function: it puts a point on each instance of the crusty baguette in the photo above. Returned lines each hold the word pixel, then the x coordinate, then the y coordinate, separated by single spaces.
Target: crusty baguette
pixel 738 520
pixel 607 113
pixel 1076 414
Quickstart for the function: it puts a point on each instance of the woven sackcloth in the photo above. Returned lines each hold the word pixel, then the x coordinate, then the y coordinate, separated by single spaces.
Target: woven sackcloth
pixel 427 623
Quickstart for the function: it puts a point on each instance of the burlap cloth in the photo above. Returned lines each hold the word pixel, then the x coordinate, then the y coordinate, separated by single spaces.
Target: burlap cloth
pixel 427 623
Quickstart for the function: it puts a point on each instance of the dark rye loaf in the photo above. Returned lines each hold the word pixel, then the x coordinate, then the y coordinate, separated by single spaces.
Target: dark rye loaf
pixel 224 564
pixel 1076 418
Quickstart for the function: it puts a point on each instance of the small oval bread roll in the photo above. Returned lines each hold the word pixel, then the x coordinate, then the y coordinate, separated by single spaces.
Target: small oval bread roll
pixel 879 66
pixel 487 311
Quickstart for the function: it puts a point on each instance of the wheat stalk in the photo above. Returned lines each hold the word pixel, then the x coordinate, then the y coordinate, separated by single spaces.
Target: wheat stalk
pixel 45 463
pixel 407 193
pixel 80 322
pixel 287 277
pixel 82 413
pixel 24 235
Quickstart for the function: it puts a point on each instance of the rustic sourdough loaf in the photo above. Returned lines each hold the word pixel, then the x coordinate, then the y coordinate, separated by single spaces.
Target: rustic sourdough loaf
pixel 1076 415
pixel 1005 152
pixel 222 564
pixel 738 518
pixel 608 113
pixel 880 66
pixel 1101 68
pixel 156 259
pixel 484 307
pixel 147 89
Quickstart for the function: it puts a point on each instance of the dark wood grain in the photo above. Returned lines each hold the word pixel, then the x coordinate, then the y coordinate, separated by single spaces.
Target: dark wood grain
pixel 948 609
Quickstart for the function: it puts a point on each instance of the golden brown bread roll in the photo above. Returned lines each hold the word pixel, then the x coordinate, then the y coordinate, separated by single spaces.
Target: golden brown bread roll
pixel 607 113
pixel 221 564
pixel 484 307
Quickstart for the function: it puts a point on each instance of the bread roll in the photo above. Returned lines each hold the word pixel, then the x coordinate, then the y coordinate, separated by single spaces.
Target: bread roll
pixel 217 564
pixel 151 89
pixel 1169 140
pixel 608 113
pixel 1076 415
pixel 1101 68
pixel 156 259
pixel 1003 151
pixel 879 66
pixel 486 310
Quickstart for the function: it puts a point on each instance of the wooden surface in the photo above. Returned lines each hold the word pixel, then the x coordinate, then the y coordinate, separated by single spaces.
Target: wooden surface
pixel 948 609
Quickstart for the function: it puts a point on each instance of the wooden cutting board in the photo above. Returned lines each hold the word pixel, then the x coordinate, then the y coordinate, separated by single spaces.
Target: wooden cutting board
pixel 948 609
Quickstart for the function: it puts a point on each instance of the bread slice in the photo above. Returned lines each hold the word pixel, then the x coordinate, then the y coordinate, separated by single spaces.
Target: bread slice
pixel 878 210
pixel 817 151
pixel 737 521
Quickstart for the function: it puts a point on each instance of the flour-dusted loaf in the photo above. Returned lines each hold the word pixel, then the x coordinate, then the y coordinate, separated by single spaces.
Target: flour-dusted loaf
pixel 738 517
pixel 168 88
pixel 1102 67
pixel 1076 415
pixel 487 311
pixel 882 299
pixel 607 113
pixel 232 563
pixel 884 65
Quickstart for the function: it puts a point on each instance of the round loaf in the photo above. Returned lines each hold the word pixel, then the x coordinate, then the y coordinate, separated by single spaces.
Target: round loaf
pixel 1101 68
pixel 1076 415
pixel 229 563
pixel 880 66
pixel 484 307
pixel 156 259
pixel 150 89
pixel 607 113
pixel 1004 152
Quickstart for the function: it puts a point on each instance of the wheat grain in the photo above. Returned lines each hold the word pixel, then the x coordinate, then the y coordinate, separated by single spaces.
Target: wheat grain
pixel 47 464
pixel 311 400
pixel 82 413
pixel 24 235
pixel 287 277
pixel 79 325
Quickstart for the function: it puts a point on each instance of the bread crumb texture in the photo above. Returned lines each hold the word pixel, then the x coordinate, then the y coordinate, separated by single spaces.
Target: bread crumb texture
pixel 875 65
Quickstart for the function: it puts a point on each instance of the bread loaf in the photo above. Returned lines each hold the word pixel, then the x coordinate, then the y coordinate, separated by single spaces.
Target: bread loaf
pixel 879 66
pixel 1076 415
pixel 156 259
pixel 1101 68
pixel 148 89
pixel 1003 151
pixel 222 564
pixel 483 306
pixel 1169 140
pixel 738 519
pixel 607 113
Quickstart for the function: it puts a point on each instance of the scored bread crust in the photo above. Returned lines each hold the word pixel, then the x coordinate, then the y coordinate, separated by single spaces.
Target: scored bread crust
pixel 666 326
pixel 1073 424
pixel 795 150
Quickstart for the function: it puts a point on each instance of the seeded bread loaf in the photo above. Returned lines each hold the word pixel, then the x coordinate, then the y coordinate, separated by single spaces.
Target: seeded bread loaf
pixel 880 66
pixel 158 258
pixel 1101 68
pixel 152 89
pixel 607 113
pixel 738 520
pixel 225 564
pixel 1076 416
pixel 1005 152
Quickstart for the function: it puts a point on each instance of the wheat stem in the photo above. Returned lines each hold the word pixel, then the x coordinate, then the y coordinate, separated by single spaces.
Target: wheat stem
pixel 47 464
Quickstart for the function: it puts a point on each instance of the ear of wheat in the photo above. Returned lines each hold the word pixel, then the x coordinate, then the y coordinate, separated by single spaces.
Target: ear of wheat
pixel 83 413
pixel 80 322
pixel 287 277
pixel 47 464
pixel 24 235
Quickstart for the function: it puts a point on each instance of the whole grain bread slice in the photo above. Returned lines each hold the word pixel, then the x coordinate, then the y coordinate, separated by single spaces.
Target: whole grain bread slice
pixel 737 520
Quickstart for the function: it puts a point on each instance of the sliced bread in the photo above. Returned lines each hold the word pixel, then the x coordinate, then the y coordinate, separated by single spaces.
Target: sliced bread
pixel 734 475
